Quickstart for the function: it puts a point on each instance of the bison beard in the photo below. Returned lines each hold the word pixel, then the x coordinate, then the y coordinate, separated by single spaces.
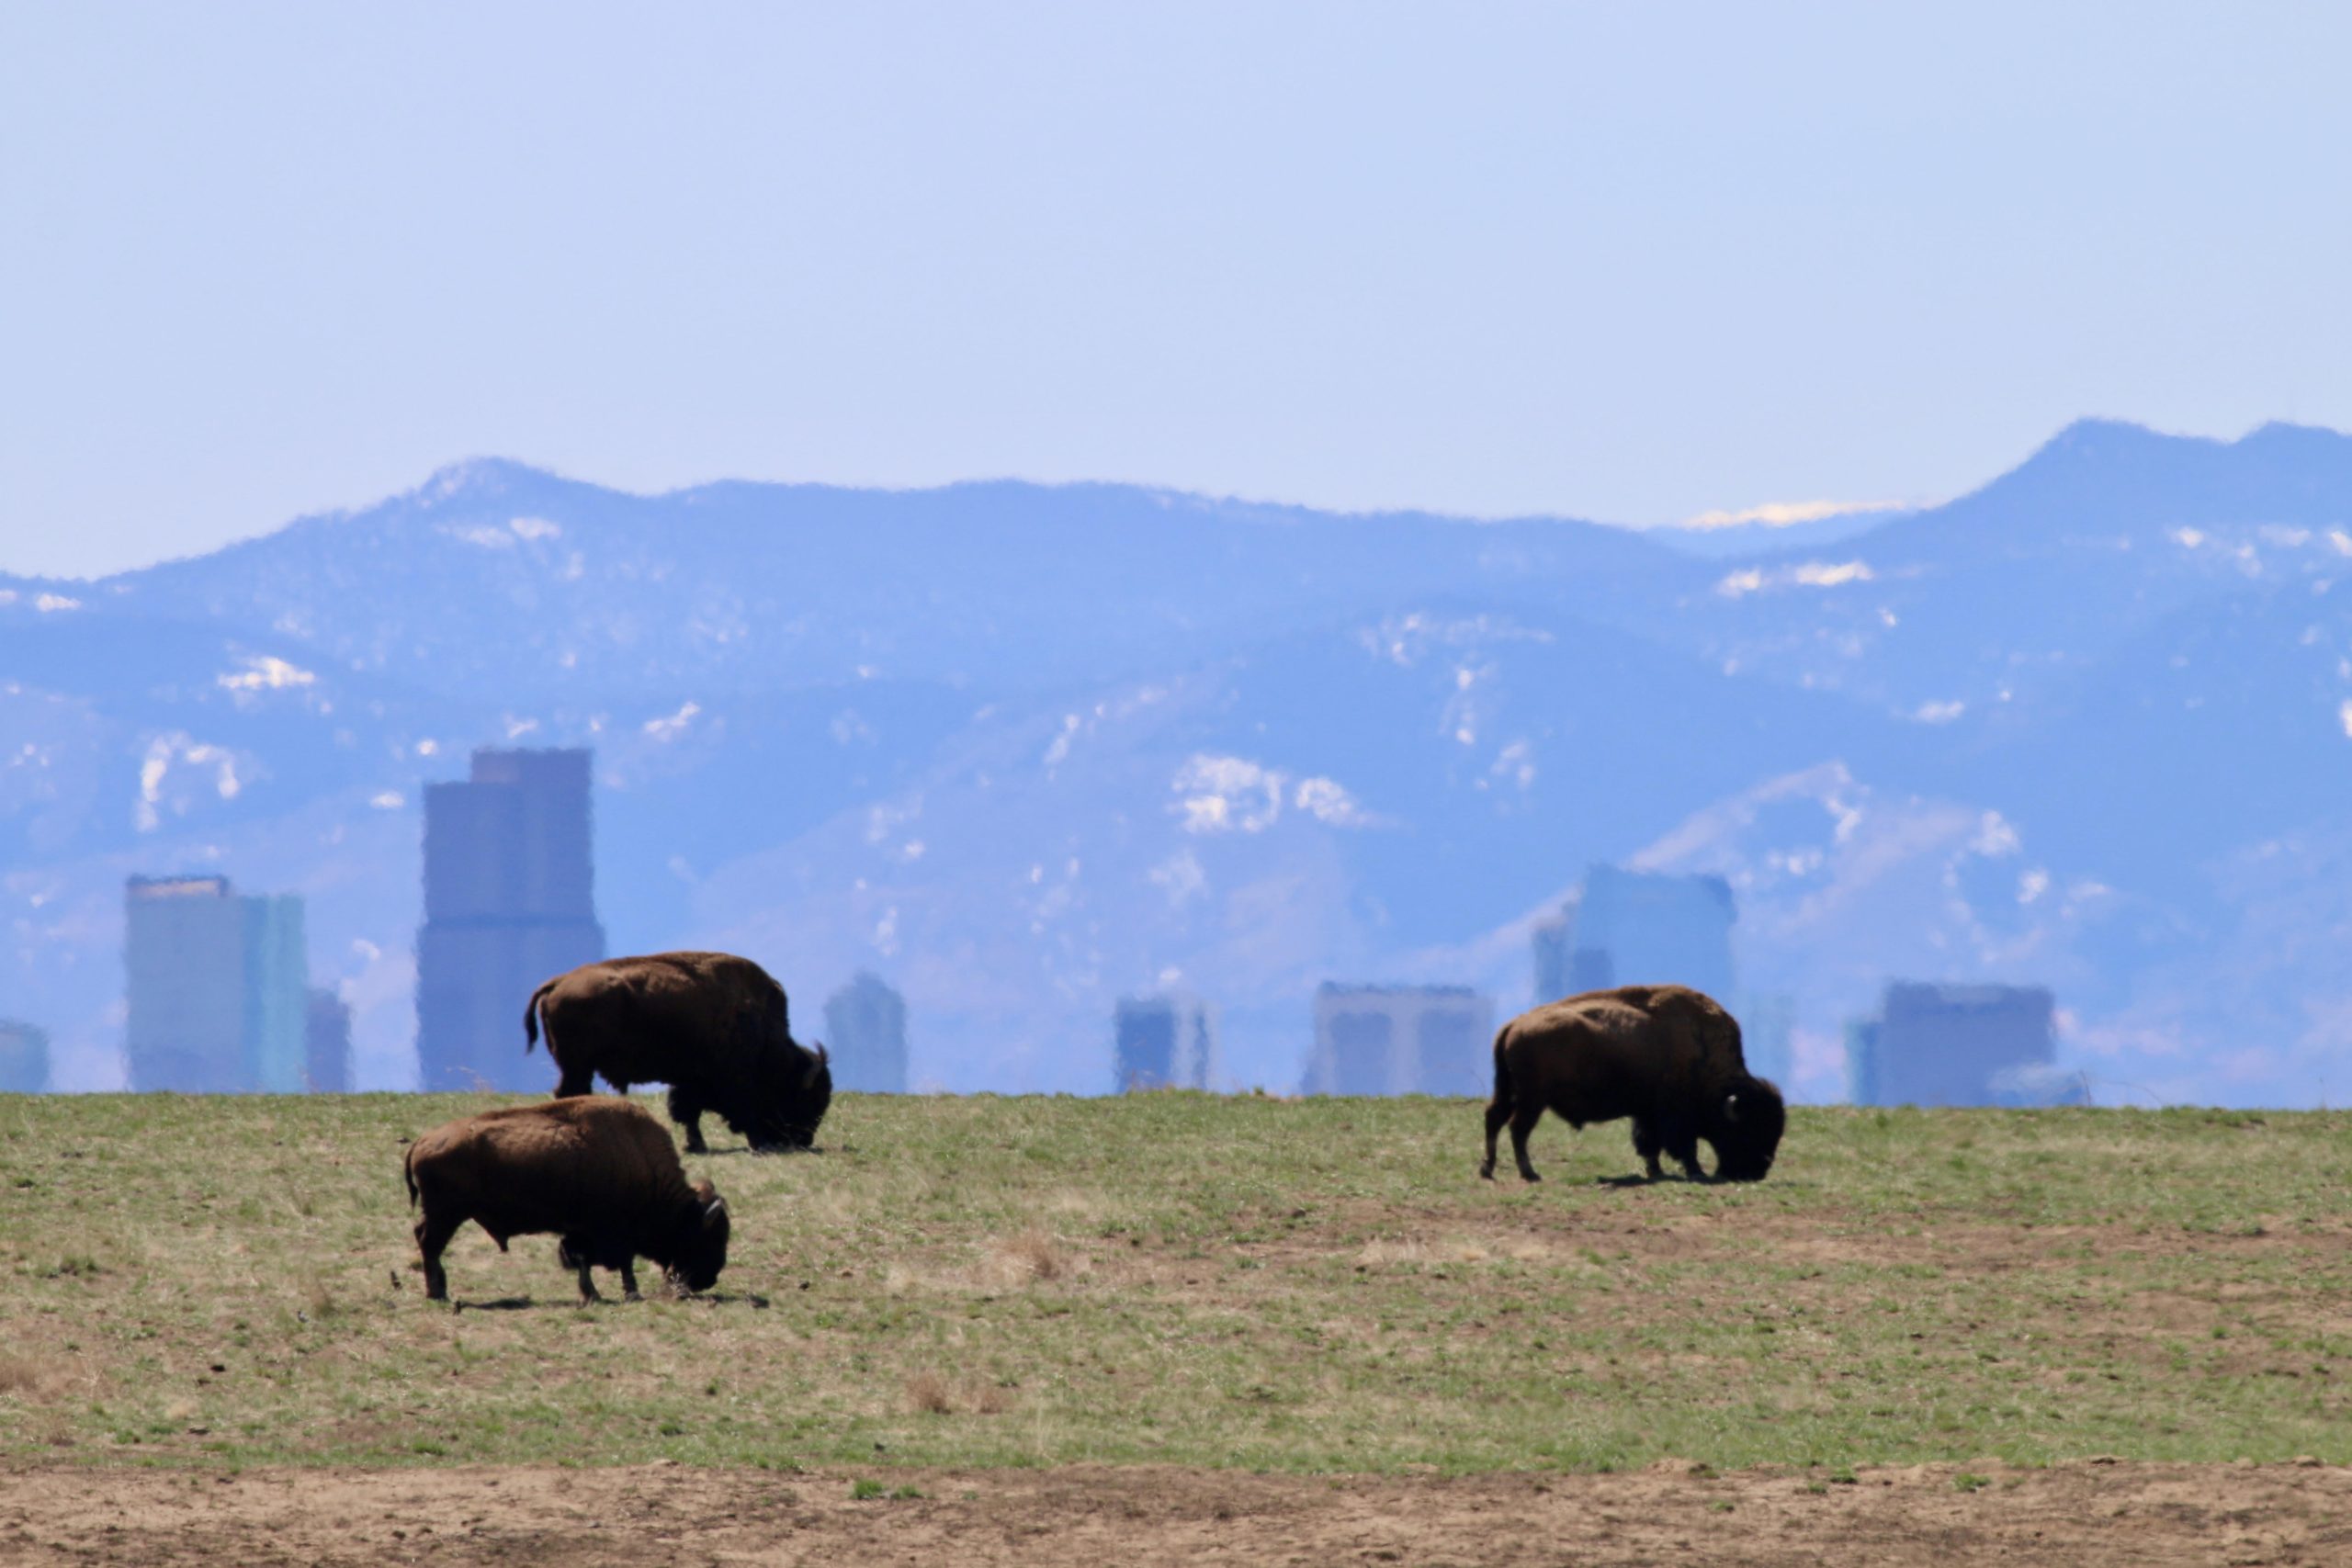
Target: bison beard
pixel 599 1173
pixel 714 1027
pixel 1668 1056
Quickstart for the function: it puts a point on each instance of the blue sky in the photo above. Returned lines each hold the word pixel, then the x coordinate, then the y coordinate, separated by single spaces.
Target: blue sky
pixel 1629 262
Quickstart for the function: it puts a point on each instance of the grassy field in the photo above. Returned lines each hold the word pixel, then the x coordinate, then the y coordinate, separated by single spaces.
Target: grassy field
pixel 1317 1285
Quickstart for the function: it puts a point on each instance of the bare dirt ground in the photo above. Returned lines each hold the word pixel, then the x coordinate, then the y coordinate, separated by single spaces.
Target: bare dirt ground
pixel 2089 1513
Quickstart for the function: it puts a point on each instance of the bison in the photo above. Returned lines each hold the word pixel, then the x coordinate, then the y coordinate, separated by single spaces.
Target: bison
pixel 712 1026
pixel 599 1173
pixel 1666 1055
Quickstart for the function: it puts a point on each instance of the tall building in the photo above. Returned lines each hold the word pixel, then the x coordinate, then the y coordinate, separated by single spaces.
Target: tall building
pixel 1767 1032
pixel 326 1044
pixel 865 1034
pixel 24 1058
pixel 509 901
pixel 218 986
pixel 1164 1041
pixel 1934 1045
pixel 1401 1039
pixel 277 993
pixel 1638 928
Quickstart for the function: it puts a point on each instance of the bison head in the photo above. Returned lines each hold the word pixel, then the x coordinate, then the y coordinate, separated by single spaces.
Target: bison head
pixel 702 1249
pixel 815 1097
pixel 796 1088
pixel 791 1091
pixel 1746 1130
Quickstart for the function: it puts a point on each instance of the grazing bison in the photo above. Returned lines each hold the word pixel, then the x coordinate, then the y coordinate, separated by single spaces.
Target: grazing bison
pixel 599 1173
pixel 712 1026
pixel 1666 1055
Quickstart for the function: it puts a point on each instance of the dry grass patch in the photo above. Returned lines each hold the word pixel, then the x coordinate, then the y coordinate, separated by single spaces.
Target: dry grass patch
pixel 928 1393
pixel 26 1377
pixel 1383 1252
pixel 1031 1255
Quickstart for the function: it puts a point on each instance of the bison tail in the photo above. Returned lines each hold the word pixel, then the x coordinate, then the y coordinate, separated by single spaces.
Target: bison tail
pixel 408 1169
pixel 531 1020
pixel 1502 1068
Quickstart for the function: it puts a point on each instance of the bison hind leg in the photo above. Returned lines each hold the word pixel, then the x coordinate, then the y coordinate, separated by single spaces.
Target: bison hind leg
pixel 1497 1113
pixel 433 1234
pixel 1522 1123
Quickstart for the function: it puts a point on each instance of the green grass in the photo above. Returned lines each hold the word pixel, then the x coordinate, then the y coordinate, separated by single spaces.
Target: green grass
pixel 1318 1285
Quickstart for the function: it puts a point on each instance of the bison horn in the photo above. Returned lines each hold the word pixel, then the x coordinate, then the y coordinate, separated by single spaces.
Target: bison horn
pixel 1731 1107
pixel 717 1205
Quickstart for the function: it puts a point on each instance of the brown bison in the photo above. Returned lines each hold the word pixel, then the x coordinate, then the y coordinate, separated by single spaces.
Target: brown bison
pixel 599 1173
pixel 1666 1055
pixel 712 1026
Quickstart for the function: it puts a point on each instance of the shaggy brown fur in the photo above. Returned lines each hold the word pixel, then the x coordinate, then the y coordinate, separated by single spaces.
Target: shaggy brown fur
pixel 600 1173
pixel 1666 1055
pixel 714 1027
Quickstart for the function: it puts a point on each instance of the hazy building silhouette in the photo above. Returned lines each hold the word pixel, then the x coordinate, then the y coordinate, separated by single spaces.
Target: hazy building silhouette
pixel 1163 1041
pixel 1401 1039
pixel 277 993
pixel 1768 1033
pixel 1638 928
pixel 1939 1044
pixel 24 1058
pixel 218 986
pixel 509 901
pixel 326 1044
pixel 865 1034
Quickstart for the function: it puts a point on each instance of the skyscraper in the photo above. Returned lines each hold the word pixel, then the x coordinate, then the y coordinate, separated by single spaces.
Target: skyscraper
pixel 278 993
pixel 24 1058
pixel 217 987
pixel 1401 1039
pixel 1163 1042
pixel 326 1044
pixel 1637 927
pixel 865 1034
pixel 509 901
pixel 1937 1044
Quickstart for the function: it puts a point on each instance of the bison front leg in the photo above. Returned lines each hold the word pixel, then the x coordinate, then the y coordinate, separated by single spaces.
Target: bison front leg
pixel 578 1252
pixel 1682 1143
pixel 686 1112
pixel 629 1281
pixel 1646 1143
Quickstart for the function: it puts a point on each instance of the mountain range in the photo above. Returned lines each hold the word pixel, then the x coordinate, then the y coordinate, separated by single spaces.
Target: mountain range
pixel 1023 750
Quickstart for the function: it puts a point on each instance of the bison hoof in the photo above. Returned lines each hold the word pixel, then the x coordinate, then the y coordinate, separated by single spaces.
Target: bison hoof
pixel 1487 1171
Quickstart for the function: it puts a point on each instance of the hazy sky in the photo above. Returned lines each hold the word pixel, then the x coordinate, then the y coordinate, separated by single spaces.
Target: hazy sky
pixel 1634 262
